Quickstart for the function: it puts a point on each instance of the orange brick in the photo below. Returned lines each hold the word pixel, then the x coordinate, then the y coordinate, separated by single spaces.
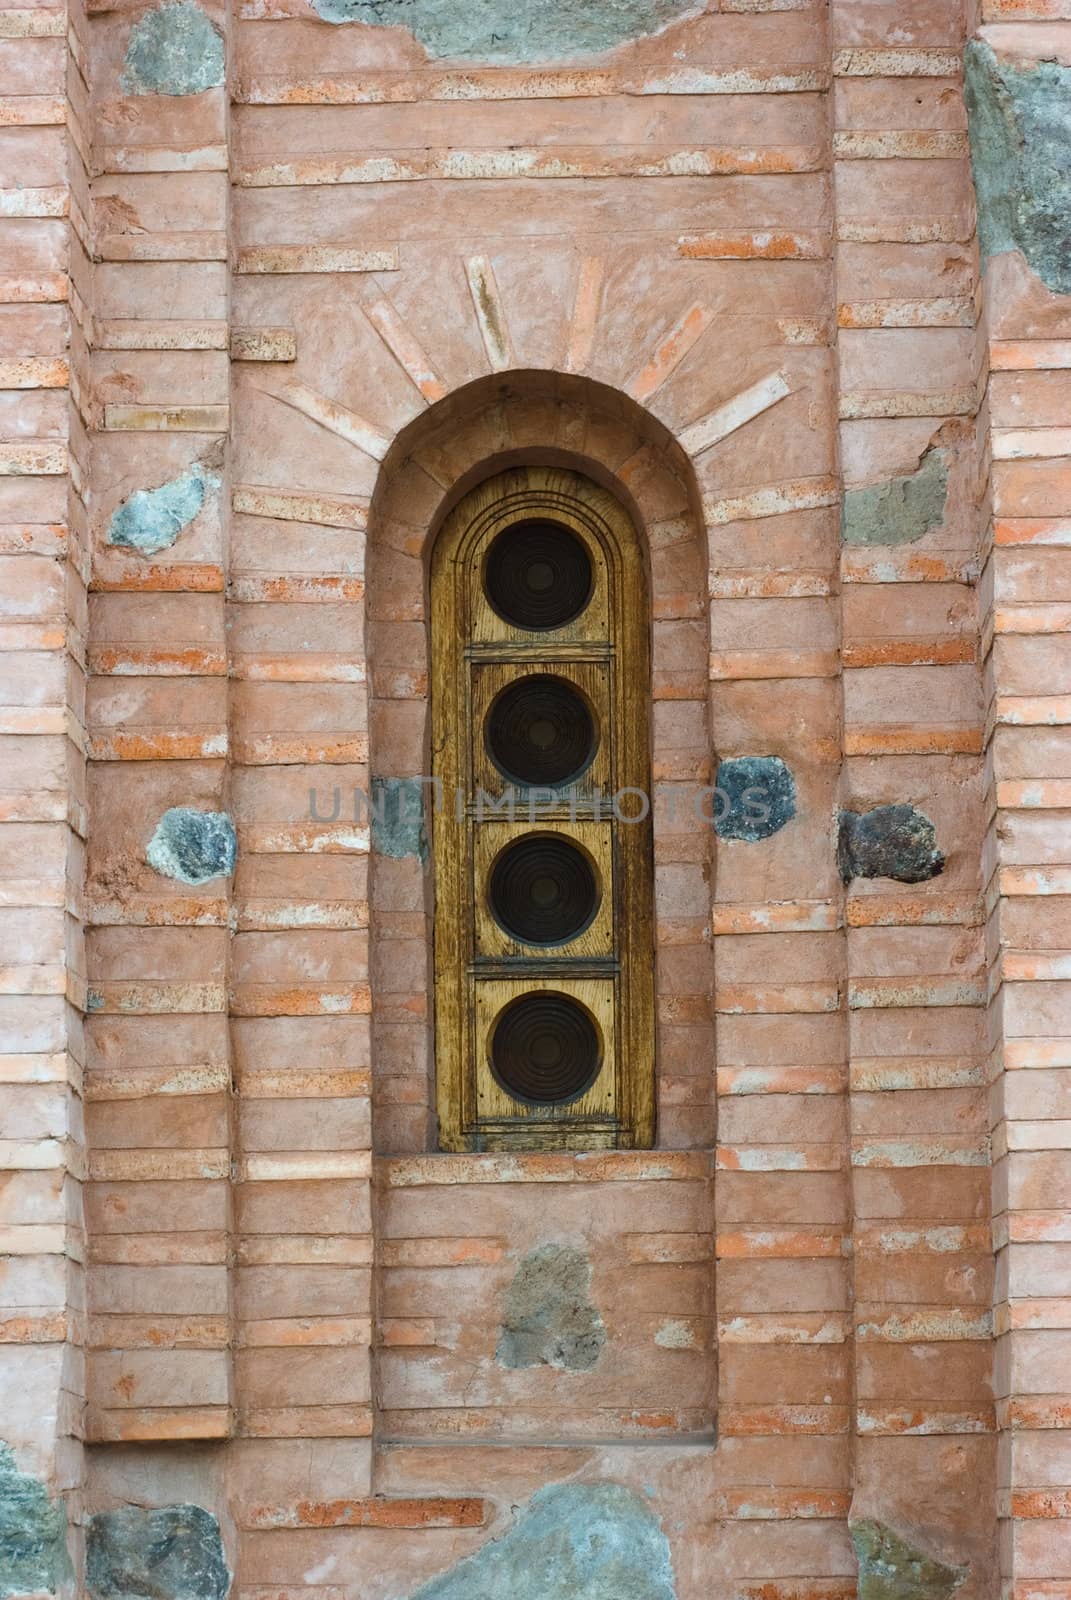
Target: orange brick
pixel 380 1512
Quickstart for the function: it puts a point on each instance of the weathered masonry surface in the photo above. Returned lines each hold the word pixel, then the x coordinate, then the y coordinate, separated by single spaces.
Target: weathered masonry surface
pixel 283 282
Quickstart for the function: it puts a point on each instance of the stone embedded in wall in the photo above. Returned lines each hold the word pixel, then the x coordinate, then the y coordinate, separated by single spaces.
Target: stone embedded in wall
pixel 33 1533
pixel 166 1553
pixel 398 827
pixel 888 842
pixel 513 30
pixel 675 1334
pixel 900 510
pixel 755 797
pixel 549 1317
pixel 152 519
pixel 173 50
pixel 892 1569
pixel 193 846
pixel 1020 134
pixel 573 1541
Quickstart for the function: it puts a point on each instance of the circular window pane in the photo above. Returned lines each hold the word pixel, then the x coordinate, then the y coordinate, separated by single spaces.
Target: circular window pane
pixel 543 889
pixel 538 575
pixel 545 1048
pixel 540 732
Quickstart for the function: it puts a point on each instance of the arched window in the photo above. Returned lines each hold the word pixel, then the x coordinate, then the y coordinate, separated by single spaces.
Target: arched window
pixel 540 692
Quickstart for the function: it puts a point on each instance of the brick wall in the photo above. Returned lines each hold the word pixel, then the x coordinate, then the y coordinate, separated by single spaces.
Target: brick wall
pixel 44 562
pixel 312 278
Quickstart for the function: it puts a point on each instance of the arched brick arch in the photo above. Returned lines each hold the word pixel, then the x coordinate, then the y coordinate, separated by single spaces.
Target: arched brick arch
pixel 527 418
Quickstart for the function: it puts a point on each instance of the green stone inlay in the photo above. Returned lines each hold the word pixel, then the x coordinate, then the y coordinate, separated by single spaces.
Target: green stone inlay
pixel 161 1553
pixel 754 798
pixel 573 1541
pixel 33 1533
pixel 1020 133
pixel 173 50
pixel 152 519
pixel 513 30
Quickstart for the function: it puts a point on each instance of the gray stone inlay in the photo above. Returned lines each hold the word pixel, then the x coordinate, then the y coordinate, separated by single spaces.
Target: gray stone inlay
pixel 1020 133
pixel 175 49
pixel 888 842
pixel 549 1316
pixel 513 30
pixel 193 846
pixel 398 827
pixel 755 796
pixel 167 1553
pixel 33 1533
pixel 573 1541
pixel 900 510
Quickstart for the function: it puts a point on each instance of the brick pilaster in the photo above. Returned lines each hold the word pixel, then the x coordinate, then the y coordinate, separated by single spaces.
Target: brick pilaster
pixel 159 1070
pixel 907 404
pixel 42 633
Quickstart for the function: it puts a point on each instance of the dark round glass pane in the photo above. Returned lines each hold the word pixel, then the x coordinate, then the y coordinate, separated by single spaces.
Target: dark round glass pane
pixel 540 731
pixel 538 575
pixel 543 889
pixel 545 1048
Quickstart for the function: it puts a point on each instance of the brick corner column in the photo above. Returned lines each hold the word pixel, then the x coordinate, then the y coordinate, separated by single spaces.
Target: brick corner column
pixel 1019 93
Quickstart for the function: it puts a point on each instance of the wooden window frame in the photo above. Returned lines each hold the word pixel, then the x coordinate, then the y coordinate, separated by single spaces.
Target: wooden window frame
pixel 457 653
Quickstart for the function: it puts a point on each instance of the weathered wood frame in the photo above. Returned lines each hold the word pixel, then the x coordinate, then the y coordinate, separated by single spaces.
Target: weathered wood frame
pixel 615 631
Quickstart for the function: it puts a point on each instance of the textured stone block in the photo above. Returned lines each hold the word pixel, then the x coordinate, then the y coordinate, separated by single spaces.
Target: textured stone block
pixel 171 1552
pixel 754 797
pixel 193 846
pixel 888 842
pixel 892 1569
pixel 33 1532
